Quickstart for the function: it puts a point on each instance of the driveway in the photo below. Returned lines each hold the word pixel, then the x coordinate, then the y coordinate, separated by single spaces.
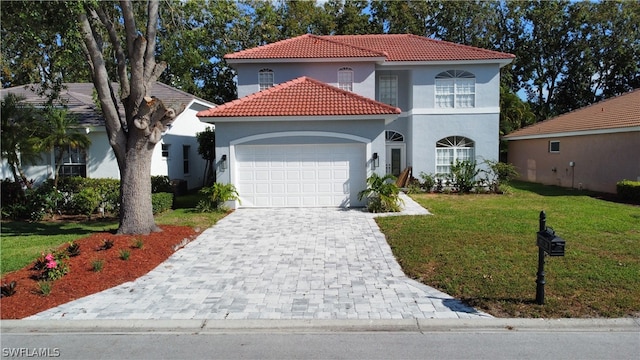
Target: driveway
pixel 292 263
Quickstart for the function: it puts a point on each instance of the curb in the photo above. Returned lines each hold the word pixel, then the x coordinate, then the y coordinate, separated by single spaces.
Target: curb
pixel 315 326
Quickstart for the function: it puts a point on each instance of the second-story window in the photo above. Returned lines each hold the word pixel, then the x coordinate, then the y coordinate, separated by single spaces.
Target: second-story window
pixel 388 89
pixel 345 78
pixel 455 89
pixel 265 79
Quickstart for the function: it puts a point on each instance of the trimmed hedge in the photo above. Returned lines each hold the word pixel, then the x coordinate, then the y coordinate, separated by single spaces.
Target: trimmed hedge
pixel 161 202
pixel 629 190
pixel 75 195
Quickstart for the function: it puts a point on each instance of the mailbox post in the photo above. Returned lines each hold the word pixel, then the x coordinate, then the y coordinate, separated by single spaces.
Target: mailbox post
pixel 550 244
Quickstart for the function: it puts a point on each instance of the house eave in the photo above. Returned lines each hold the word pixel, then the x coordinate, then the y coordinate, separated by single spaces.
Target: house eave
pixel 379 60
pixel 573 133
pixel 501 62
pixel 388 118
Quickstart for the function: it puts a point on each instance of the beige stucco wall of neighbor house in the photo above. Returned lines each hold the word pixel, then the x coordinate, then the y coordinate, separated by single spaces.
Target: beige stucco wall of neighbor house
pixel 600 160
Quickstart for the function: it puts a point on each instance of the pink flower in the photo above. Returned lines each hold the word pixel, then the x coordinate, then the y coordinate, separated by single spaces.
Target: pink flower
pixel 52 264
pixel 49 257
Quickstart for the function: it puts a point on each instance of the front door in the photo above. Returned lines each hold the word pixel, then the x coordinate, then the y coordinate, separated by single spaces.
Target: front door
pixel 396 161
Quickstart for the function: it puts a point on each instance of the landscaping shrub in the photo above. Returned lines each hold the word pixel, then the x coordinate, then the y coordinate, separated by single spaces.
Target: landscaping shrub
pixel 11 193
pixel 161 202
pixel 463 175
pixel 382 194
pixel 498 175
pixel 428 181
pixel 215 196
pixel 629 190
pixel 161 184
pixel 109 191
pixel 85 202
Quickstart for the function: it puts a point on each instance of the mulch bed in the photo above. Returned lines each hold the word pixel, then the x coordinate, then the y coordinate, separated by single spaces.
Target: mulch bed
pixel 82 280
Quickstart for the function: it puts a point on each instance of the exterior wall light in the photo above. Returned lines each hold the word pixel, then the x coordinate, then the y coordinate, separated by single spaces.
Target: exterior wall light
pixel 376 160
pixel 223 162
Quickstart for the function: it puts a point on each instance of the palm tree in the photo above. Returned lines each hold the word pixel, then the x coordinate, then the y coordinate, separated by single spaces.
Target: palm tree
pixel 61 134
pixel 20 136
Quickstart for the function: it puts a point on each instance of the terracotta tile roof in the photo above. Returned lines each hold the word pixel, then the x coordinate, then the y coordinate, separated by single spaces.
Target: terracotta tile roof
pixel 305 46
pixel 622 111
pixel 301 97
pixel 392 47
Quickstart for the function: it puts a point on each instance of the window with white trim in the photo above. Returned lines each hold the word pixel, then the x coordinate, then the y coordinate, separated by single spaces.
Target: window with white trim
pixel 388 89
pixel 554 146
pixel 165 151
pixel 74 161
pixel 265 78
pixel 345 78
pixel 455 89
pixel 185 159
pixel 452 149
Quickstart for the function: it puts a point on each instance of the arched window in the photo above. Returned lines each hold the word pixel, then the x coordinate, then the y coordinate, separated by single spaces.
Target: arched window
pixel 452 149
pixel 345 78
pixel 265 78
pixel 455 89
pixel 394 136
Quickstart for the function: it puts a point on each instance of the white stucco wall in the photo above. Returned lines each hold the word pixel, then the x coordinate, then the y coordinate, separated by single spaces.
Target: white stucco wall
pixel 363 75
pixel 182 133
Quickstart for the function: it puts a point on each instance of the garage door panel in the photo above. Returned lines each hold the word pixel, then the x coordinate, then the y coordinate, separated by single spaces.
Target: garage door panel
pixel 299 175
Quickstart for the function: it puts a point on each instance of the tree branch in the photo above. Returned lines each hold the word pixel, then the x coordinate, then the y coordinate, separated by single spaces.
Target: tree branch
pixel 120 56
pixel 101 82
pixel 129 24
pixel 152 28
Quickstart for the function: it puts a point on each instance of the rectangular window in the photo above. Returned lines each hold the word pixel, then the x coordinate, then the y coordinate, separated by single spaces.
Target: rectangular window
pixel 465 93
pixel 445 93
pixel 265 79
pixel 74 161
pixel 165 150
pixel 185 159
pixel 388 90
pixel 345 79
pixel 455 93
pixel 554 146
pixel 444 158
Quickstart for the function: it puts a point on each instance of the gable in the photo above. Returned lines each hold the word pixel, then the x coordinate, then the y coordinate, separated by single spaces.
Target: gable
pixel 301 97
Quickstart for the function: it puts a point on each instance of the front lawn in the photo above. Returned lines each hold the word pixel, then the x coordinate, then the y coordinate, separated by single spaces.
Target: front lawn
pixel 482 249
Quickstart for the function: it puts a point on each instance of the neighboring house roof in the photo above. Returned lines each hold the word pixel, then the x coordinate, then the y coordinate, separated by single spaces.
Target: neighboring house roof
pixel 617 114
pixel 78 99
pixel 303 96
pixel 387 47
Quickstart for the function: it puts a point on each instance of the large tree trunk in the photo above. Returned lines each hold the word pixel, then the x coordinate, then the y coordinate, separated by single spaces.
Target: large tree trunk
pixel 136 212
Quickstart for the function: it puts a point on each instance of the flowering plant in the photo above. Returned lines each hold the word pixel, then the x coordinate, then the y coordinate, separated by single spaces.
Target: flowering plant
pixel 53 265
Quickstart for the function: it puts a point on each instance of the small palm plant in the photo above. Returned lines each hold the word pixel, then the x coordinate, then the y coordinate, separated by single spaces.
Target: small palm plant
pixel 215 196
pixel 382 194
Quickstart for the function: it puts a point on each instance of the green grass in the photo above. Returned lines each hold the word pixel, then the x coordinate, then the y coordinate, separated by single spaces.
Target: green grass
pixel 482 249
pixel 23 242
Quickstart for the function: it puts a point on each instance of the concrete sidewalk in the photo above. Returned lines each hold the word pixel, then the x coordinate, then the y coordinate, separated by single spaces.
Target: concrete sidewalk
pixel 291 263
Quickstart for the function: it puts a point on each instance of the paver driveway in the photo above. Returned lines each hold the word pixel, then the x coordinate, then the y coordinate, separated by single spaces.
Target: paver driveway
pixel 276 264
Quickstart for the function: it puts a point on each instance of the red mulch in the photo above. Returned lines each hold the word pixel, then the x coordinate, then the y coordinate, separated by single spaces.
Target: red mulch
pixel 81 280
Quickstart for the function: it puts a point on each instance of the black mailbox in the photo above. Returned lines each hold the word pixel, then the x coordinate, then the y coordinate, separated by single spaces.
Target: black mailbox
pixel 552 244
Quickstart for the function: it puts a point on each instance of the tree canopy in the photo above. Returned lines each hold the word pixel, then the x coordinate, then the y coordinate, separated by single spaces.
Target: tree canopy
pixel 568 54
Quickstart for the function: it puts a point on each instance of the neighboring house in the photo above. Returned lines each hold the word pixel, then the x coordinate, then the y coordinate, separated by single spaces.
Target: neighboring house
pixel 590 148
pixel 317 115
pixel 175 156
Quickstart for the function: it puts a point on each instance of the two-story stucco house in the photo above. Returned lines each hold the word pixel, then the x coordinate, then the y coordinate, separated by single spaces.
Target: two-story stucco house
pixel 317 115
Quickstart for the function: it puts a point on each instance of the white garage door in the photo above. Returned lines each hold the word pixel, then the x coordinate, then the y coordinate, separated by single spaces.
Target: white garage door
pixel 310 175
